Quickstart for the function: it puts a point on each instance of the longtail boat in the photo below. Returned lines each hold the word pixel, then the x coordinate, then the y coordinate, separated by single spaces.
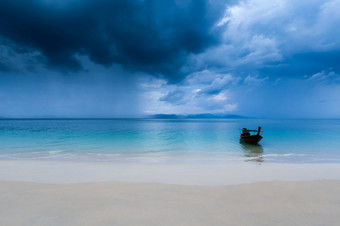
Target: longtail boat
pixel 248 137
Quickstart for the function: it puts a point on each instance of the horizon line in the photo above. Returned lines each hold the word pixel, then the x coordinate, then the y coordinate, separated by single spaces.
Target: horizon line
pixel 151 117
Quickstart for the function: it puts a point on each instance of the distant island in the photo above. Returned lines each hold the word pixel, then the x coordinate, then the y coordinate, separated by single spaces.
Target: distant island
pixel 197 116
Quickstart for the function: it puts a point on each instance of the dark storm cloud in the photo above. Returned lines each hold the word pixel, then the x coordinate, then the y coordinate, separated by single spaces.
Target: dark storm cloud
pixel 152 36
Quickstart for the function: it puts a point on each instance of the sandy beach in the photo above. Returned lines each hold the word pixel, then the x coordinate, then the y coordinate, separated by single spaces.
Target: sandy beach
pixel 169 113
pixel 80 193
pixel 265 203
pixel 214 173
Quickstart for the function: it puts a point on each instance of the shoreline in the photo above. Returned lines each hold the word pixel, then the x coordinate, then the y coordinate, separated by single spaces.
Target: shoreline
pixel 118 203
pixel 180 173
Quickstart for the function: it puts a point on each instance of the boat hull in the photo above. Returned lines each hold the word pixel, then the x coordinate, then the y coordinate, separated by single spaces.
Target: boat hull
pixel 252 139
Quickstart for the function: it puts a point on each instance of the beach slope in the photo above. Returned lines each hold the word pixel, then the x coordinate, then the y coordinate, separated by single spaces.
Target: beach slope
pixel 113 203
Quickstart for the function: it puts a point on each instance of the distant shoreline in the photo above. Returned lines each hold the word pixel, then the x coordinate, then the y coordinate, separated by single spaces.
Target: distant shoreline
pixel 198 116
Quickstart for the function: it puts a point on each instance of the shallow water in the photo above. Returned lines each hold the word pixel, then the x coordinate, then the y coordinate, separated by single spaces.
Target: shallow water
pixel 298 141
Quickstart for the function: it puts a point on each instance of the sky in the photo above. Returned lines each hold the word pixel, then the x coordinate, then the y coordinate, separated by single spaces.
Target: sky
pixel 132 58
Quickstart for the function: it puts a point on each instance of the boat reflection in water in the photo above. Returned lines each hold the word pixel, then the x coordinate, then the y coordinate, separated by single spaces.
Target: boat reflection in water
pixel 252 152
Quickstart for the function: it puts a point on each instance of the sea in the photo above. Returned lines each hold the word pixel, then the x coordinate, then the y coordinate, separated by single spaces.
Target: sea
pixel 169 140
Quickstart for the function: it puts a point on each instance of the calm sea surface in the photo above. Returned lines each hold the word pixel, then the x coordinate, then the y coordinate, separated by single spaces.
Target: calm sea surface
pixel 298 141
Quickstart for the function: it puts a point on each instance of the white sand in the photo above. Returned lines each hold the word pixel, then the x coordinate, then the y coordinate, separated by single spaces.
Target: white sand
pixel 265 203
pixel 185 173
pixel 80 193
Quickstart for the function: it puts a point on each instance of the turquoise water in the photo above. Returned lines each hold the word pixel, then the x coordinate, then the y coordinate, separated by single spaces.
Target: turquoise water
pixel 301 141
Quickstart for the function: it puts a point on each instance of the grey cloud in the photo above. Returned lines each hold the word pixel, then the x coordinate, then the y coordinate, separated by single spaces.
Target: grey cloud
pixel 275 39
pixel 218 84
pixel 324 77
pixel 254 81
pixel 174 97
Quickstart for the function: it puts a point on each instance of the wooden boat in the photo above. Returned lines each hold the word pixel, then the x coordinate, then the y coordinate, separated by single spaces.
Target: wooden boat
pixel 251 138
